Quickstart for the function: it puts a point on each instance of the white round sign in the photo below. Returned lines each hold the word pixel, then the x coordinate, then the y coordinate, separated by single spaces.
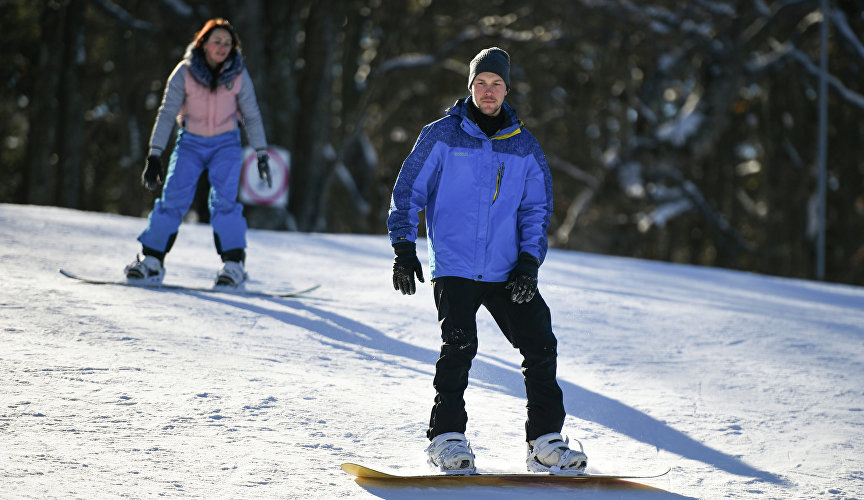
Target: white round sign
pixel 254 189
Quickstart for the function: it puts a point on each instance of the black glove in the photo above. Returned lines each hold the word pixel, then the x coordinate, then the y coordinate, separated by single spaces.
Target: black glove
pixel 264 169
pixel 523 279
pixel 152 177
pixel 404 267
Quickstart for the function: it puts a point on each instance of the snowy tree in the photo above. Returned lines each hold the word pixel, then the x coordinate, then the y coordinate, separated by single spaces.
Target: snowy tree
pixel 681 131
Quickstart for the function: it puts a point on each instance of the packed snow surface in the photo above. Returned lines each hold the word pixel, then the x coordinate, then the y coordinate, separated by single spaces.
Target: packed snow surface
pixel 745 385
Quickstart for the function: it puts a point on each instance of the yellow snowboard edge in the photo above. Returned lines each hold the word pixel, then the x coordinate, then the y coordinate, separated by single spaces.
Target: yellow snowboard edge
pixel 367 476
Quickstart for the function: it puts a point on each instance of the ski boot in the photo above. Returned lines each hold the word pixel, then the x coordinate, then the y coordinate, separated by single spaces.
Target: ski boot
pixel 451 454
pixel 232 274
pixel 148 270
pixel 550 453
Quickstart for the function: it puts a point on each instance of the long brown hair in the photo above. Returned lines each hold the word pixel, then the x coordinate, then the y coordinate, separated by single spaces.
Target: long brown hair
pixel 203 34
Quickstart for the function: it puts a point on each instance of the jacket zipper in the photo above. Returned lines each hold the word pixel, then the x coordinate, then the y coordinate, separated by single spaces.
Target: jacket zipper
pixel 498 182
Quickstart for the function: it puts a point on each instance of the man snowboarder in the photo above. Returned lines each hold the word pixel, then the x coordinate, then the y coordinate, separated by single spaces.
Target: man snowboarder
pixel 486 188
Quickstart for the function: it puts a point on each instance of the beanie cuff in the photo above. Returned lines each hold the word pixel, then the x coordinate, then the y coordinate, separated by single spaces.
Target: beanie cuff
pixel 491 60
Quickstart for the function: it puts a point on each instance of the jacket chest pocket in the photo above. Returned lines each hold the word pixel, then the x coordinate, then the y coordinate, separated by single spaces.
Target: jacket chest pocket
pixel 197 100
pixel 206 106
pixel 507 182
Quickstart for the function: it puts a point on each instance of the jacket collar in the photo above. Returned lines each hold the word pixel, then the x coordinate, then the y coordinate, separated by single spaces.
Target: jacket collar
pixel 232 67
pixel 511 126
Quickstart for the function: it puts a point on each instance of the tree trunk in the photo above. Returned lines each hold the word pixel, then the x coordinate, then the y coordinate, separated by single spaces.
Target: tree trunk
pixel 313 149
pixel 41 137
pixel 70 128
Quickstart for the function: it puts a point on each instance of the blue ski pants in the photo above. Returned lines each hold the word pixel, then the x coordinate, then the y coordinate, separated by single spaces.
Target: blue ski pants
pixel 221 156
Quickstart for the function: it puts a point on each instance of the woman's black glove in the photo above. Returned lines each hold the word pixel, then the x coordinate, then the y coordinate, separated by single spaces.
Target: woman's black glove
pixel 152 177
pixel 264 169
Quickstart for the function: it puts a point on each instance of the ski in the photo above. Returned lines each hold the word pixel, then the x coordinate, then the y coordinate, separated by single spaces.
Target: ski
pixel 588 480
pixel 213 289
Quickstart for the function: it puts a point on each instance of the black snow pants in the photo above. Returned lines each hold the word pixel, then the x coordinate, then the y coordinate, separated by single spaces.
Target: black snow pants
pixel 527 326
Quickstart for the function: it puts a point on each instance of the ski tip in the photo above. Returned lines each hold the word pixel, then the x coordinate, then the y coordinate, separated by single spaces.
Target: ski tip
pixel 295 293
pixel 361 471
pixel 71 275
pixel 354 469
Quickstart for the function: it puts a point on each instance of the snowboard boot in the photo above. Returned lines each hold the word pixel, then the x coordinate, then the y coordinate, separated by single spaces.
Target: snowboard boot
pixel 232 274
pixel 451 454
pixel 147 270
pixel 550 453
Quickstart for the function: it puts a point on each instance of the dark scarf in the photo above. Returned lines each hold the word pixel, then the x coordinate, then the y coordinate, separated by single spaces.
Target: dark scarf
pixel 488 124
pixel 220 75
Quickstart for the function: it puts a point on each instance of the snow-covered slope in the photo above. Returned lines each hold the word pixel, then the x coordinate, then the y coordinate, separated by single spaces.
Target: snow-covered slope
pixel 746 385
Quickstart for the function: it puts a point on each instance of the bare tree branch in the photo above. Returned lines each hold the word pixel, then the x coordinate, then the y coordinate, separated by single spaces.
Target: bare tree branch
pixel 181 8
pixel 847 33
pixel 573 171
pixel 764 61
pixel 122 16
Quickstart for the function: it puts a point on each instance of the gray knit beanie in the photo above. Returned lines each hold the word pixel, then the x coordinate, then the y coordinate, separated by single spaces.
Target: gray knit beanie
pixel 493 60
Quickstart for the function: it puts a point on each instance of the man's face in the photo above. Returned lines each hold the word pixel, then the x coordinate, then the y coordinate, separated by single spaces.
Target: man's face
pixel 487 92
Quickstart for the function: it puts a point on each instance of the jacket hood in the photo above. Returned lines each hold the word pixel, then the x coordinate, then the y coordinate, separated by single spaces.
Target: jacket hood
pixel 194 59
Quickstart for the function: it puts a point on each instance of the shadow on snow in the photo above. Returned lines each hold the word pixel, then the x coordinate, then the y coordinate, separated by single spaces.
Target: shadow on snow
pixel 580 403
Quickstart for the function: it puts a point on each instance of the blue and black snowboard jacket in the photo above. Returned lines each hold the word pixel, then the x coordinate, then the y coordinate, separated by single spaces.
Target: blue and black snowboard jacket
pixel 486 198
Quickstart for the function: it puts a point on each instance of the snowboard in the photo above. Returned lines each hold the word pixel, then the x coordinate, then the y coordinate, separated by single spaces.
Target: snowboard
pixel 587 480
pixel 213 289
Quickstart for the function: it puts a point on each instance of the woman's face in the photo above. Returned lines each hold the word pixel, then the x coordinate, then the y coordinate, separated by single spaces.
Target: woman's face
pixel 217 47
